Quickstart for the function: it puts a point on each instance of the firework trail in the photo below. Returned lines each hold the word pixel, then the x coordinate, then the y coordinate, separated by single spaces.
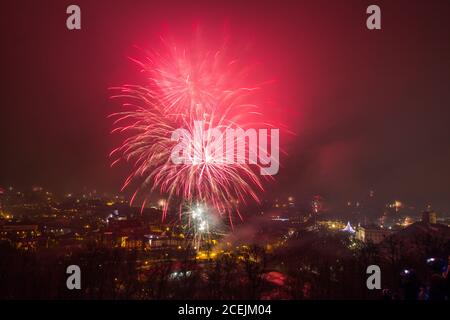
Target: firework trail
pixel 199 222
pixel 184 87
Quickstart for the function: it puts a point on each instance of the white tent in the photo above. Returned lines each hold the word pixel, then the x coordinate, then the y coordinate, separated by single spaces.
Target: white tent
pixel 348 228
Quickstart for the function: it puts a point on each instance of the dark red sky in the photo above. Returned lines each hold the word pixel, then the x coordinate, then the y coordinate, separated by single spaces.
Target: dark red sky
pixel 371 108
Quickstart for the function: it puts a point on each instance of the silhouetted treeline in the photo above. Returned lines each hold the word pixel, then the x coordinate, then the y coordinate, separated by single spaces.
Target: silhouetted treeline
pixel 311 265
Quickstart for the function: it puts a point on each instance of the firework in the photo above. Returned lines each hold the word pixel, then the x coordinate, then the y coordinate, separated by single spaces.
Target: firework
pixel 199 223
pixel 183 88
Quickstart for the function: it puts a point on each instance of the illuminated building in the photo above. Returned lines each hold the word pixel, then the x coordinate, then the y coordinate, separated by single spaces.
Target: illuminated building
pixel 372 233
pixel 131 242
pixel 162 241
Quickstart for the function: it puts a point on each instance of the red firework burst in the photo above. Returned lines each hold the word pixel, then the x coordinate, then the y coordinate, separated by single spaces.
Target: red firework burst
pixel 185 87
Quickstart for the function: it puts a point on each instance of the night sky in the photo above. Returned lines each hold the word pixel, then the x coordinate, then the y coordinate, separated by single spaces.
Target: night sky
pixel 370 109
